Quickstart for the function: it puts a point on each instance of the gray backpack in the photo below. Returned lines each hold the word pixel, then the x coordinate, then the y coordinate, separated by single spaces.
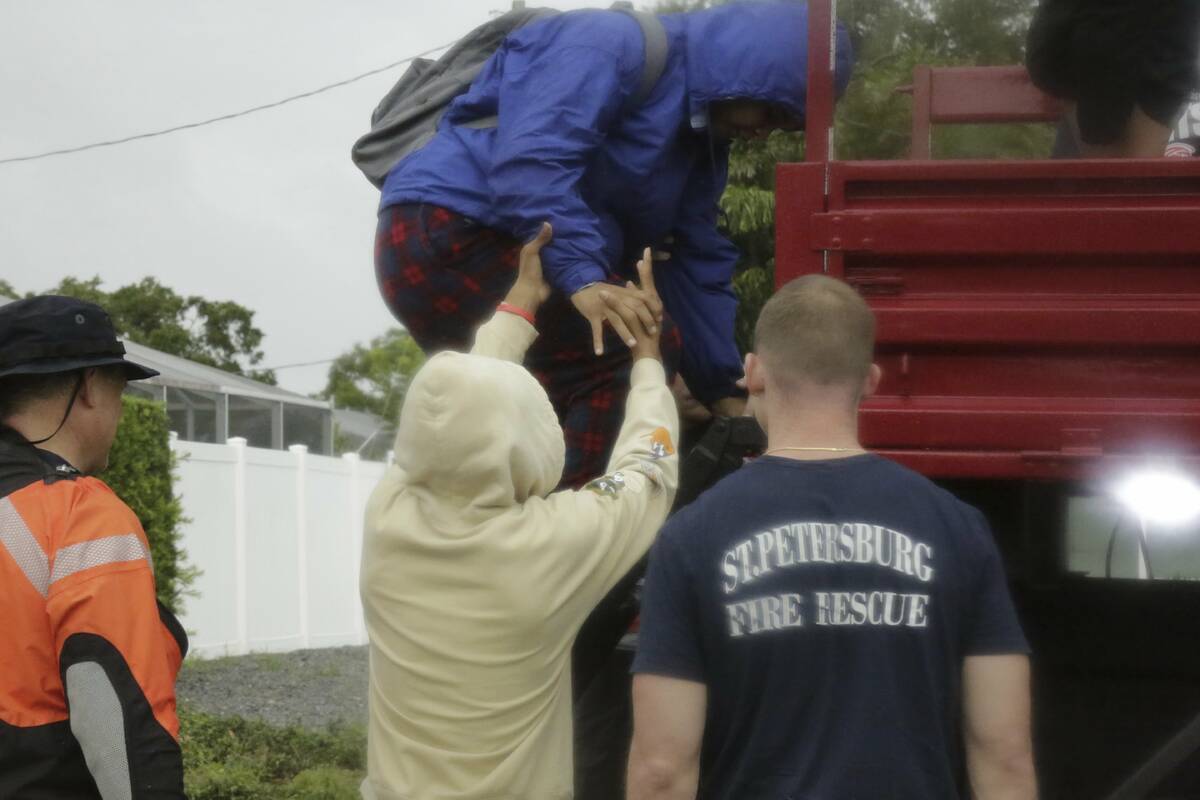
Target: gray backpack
pixel 408 115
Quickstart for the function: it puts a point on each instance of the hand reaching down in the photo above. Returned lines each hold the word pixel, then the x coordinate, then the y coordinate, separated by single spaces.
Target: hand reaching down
pixel 643 307
pixel 625 308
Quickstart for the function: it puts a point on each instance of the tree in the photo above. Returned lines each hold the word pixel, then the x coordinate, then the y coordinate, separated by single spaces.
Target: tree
pixel 220 333
pixel 748 208
pixel 891 37
pixel 374 377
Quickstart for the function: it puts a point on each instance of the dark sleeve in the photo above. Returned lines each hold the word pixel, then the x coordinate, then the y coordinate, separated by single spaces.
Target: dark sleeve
pixel 992 624
pixel 128 752
pixel 669 636
pixel 697 288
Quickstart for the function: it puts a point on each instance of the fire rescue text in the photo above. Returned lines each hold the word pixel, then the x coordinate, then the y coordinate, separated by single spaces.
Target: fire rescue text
pixel 799 544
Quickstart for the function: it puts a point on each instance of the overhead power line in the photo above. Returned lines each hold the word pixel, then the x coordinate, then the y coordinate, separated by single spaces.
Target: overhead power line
pixel 301 364
pixel 212 120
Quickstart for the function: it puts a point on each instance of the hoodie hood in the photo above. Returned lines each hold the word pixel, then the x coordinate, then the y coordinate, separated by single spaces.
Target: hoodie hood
pixel 478 432
pixel 754 51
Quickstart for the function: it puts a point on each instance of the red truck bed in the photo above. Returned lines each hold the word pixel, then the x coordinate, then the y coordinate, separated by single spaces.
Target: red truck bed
pixel 1036 319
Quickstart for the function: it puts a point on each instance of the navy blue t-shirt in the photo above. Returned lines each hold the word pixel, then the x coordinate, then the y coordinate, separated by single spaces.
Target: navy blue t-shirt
pixel 827 606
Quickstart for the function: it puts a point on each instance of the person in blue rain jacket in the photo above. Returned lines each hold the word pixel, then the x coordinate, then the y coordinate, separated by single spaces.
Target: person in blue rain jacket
pixel 570 148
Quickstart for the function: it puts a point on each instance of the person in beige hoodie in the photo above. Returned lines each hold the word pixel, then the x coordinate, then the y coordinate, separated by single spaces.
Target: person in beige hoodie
pixel 477 576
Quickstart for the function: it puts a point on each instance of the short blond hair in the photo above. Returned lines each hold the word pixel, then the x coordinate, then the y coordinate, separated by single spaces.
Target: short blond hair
pixel 816 330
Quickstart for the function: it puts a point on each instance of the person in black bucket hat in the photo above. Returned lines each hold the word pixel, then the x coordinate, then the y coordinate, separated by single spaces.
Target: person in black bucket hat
pixel 48 333
pixel 87 692
pixel 57 336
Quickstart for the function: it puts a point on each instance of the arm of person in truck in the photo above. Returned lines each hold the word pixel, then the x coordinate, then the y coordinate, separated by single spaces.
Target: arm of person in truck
pixel 697 289
pixel 549 128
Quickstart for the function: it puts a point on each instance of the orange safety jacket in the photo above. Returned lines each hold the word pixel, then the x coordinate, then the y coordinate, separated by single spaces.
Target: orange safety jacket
pixel 88 657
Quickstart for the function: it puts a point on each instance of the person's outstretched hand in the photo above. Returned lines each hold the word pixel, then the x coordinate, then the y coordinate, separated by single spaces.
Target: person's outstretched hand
pixel 531 289
pixel 625 309
pixel 646 332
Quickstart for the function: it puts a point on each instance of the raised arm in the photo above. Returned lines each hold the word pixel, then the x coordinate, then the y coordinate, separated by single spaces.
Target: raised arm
pixel 610 523
pixel 510 332
pixel 613 520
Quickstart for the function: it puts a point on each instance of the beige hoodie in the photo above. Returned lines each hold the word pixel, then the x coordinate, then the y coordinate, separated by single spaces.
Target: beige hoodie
pixel 476 579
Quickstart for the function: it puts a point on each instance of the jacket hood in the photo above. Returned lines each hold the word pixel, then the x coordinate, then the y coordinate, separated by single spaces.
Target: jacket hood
pixel 754 51
pixel 22 464
pixel 478 432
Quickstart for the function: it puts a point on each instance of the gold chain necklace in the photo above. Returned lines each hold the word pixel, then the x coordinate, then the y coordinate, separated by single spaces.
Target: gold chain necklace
pixel 817 449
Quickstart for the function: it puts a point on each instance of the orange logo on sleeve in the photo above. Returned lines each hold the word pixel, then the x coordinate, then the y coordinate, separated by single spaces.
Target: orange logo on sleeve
pixel 660 444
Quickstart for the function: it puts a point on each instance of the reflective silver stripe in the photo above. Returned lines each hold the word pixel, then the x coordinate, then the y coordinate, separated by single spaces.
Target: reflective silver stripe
pixel 98 722
pixel 21 544
pixel 98 552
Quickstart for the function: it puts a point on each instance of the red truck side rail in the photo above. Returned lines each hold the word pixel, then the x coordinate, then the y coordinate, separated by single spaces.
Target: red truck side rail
pixel 966 95
pixel 1037 319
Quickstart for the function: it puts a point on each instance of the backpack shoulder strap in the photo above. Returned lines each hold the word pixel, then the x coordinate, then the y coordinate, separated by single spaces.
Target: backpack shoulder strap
pixel 656 48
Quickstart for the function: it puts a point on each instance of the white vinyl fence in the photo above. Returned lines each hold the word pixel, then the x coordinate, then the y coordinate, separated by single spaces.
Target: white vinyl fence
pixel 278 537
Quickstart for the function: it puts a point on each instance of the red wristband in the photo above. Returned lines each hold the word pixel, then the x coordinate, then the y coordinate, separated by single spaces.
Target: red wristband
pixel 520 312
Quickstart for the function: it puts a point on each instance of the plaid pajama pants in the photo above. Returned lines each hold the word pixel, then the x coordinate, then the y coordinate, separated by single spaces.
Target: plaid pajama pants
pixel 442 275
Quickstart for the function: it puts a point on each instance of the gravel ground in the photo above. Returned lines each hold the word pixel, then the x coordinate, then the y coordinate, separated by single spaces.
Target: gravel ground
pixel 312 688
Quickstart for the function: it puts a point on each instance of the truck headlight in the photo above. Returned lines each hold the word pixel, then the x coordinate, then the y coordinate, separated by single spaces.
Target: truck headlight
pixel 1160 496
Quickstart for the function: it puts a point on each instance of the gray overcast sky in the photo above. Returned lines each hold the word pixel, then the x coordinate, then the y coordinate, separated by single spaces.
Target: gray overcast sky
pixel 266 210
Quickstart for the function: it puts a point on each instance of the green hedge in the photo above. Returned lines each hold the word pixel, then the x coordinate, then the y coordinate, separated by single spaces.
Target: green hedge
pixel 141 470
pixel 231 758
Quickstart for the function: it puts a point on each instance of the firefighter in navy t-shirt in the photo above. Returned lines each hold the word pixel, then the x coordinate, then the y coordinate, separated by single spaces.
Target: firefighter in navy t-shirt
pixel 825 624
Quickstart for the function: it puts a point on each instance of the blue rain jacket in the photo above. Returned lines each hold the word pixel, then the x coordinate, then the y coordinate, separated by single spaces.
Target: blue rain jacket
pixel 612 178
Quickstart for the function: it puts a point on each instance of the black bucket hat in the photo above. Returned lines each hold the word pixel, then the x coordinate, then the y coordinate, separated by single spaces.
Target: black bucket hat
pixel 47 334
